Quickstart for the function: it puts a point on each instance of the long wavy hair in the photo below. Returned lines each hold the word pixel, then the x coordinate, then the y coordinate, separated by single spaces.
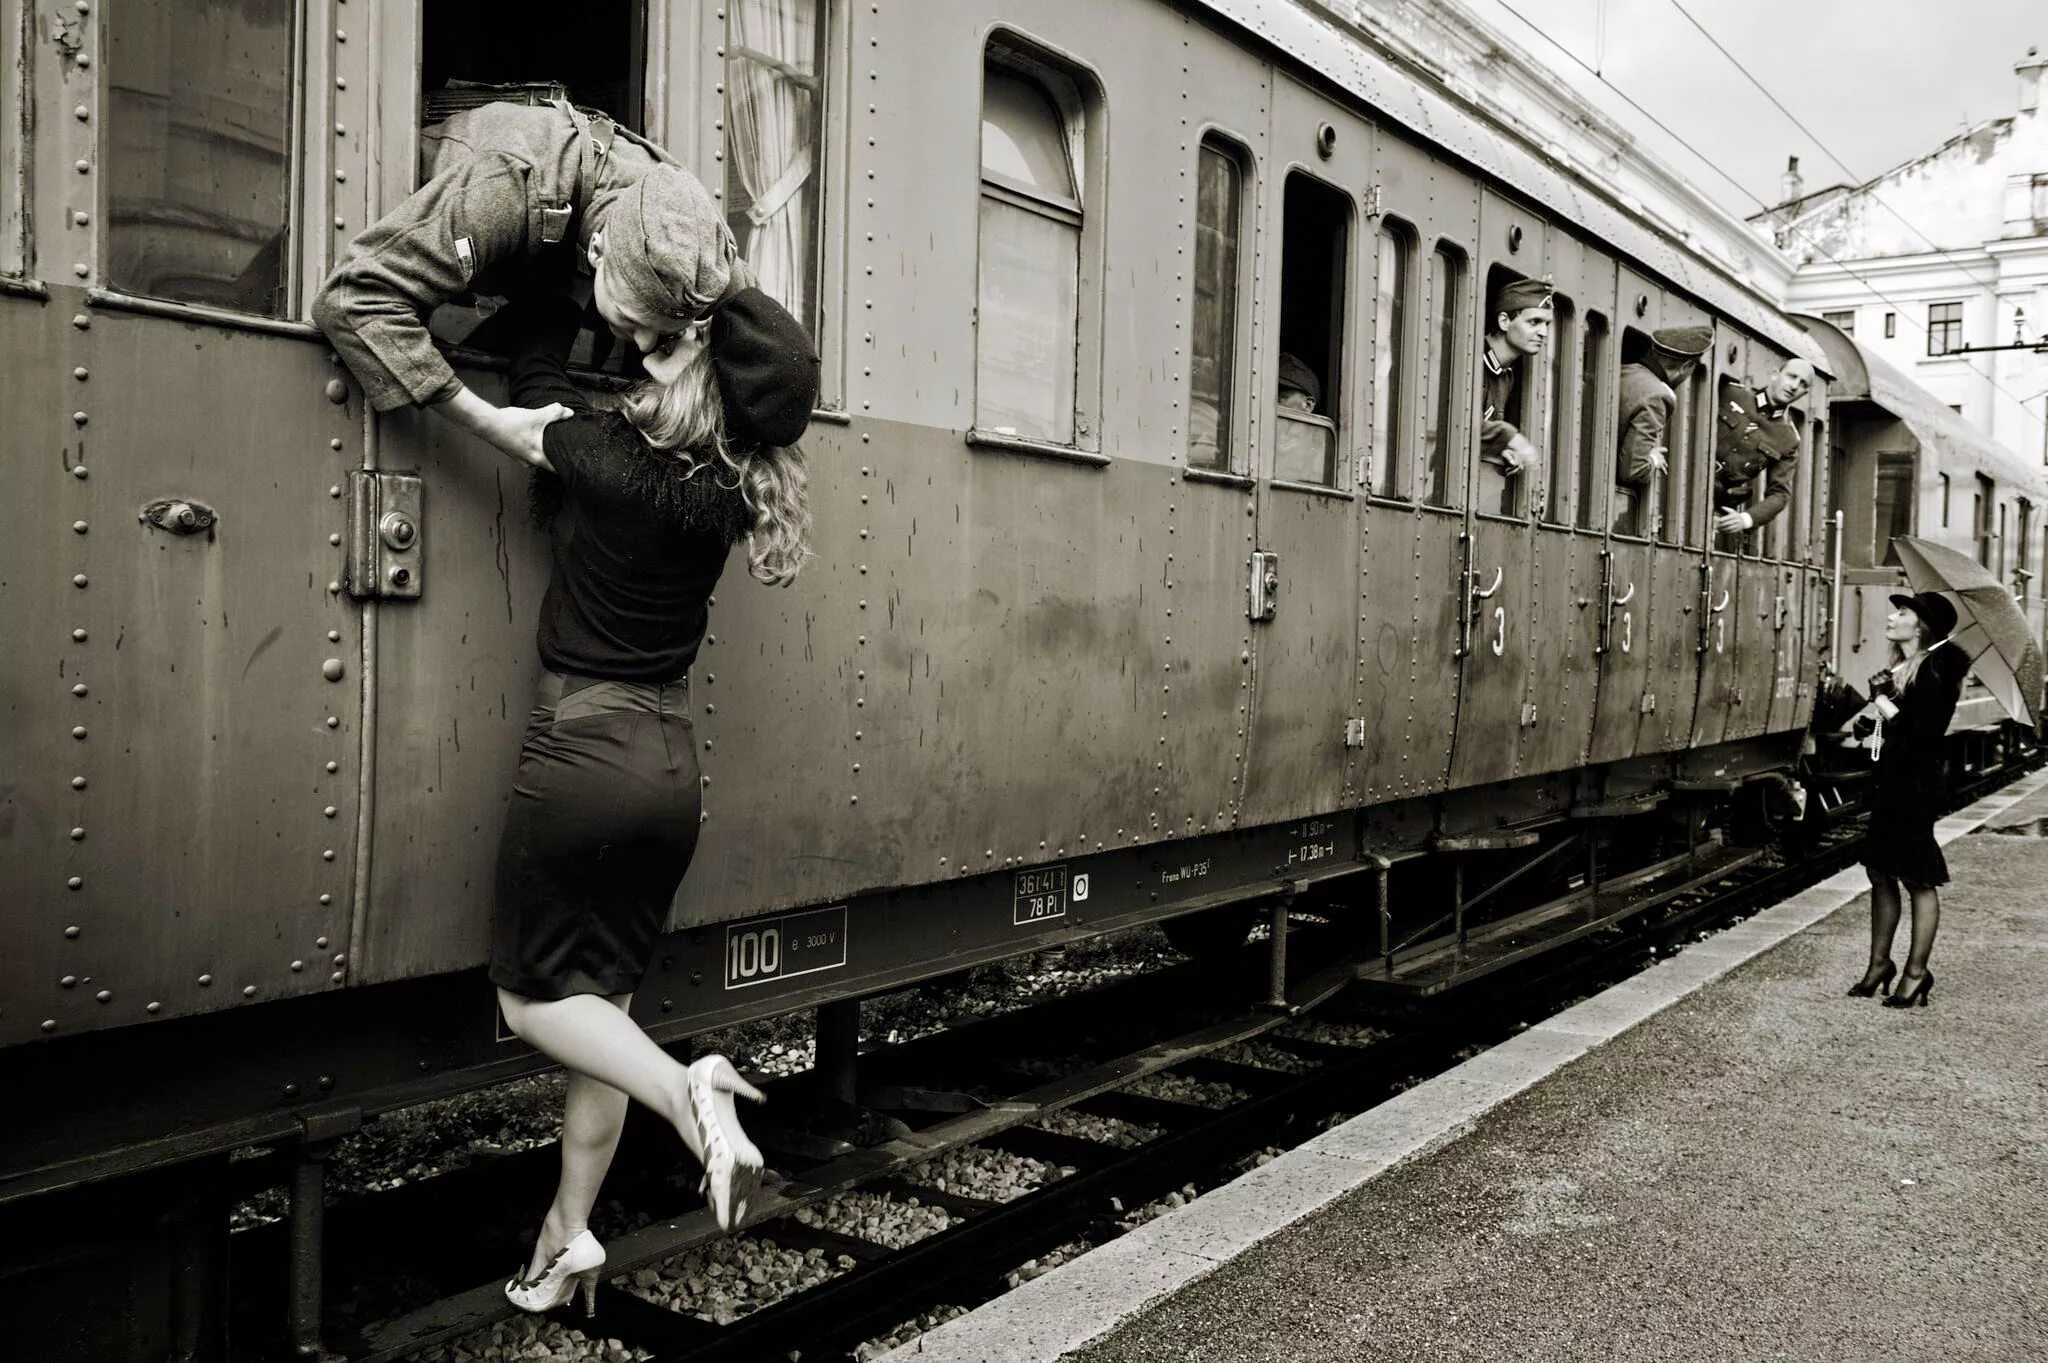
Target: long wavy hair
pixel 1905 662
pixel 685 419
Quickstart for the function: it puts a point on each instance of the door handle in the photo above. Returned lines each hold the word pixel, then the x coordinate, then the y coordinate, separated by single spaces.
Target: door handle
pixel 1498 574
pixel 1721 605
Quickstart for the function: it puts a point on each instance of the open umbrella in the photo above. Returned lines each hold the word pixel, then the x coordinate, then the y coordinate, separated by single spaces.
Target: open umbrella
pixel 1990 626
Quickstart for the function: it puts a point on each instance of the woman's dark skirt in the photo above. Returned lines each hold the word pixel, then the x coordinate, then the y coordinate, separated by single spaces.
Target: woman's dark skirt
pixel 603 821
pixel 1900 840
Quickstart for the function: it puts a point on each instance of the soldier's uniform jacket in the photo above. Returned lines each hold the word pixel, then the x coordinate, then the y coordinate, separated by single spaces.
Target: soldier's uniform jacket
pixel 1496 385
pixel 1753 441
pixel 510 189
pixel 1646 403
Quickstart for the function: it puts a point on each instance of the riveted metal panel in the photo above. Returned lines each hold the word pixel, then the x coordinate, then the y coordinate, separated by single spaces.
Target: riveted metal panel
pixel 1673 638
pixel 1720 652
pixel 178 829
pixel 1756 662
pixel 1789 615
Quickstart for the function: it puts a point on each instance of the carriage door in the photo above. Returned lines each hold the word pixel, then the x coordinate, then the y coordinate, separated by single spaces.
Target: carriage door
pixel 1791 547
pixel 1720 639
pixel 1302 596
pixel 1498 586
pixel 1760 596
pixel 1626 693
pixel 1677 559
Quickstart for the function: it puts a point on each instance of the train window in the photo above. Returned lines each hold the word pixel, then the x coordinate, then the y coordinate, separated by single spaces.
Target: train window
pixel 1390 358
pixel 12 244
pixel 475 52
pixel 1446 294
pixel 774 125
pixel 1894 511
pixel 2023 570
pixel 1980 517
pixel 198 151
pixel 1592 370
pixel 1557 400
pixel 1998 549
pixel 1945 486
pixel 1028 316
pixel 1212 373
pixel 1638 506
pixel 1315 250
pixel 1493 491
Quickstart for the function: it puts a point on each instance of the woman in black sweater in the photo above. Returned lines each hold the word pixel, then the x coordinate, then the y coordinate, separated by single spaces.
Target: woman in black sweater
pixel 1915 698
pixel 642 507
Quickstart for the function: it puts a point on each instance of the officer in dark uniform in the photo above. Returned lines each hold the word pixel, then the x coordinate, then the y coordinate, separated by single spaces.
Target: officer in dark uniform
pixel 1756 439
pixel 517 194
pixel 1520 327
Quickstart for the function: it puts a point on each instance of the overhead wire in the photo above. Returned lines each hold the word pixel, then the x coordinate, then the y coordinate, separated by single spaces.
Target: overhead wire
pixel 1746 192
pixel 1863 182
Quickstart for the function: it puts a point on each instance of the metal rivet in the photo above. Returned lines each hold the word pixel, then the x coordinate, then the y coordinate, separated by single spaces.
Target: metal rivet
pixel 333 767
pixel 81 113
pixel 49 1024
pixel 84 166
pixel 152 1007
pixel 324 899
pixel 79 635
pixel 81 373
pixel 78 835
pixel 78 579
pixel 341 82
pixel 327 855
pixel 320 942
pixel 79 418
pixel 298 966
pixel 330 811
pixel 78 783
pixel 81 269
pixel 78 690
pixel 334 721
pixel 248 991
pixel 334 539
pixel 78 527
pixel 105 996
pixel 205 980
pixel 341 130
pixel 341 960
pixel 78 732
pixel 340 36
pixel 332 669
pixel 68 981
pixel 78 470
pixel 337 391
pixel 336 977
pixel 81 218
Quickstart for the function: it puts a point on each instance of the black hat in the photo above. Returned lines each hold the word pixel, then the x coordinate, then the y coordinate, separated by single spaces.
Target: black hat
pixel 1687 342
pixel 1934 611
pixel 767 370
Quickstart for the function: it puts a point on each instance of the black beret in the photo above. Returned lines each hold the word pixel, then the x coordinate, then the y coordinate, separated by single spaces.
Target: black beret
pixel 767 370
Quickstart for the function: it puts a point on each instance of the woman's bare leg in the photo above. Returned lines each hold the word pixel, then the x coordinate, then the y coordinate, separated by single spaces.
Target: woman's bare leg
pixel 595 1038
pixel 593 1115
pixel 1884 921
pixel 1926 921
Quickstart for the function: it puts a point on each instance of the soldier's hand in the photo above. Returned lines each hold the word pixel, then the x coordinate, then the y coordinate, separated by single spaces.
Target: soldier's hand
pixel 518 432
pixel 1519 454
pixel 1733 522
pixel 1658 462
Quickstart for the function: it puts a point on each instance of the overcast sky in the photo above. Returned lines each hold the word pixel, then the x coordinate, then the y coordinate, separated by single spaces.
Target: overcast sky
pixel 1878 81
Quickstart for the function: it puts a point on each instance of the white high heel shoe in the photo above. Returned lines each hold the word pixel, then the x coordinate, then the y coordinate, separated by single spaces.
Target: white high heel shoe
pixel 573 1268
pixel 732 1164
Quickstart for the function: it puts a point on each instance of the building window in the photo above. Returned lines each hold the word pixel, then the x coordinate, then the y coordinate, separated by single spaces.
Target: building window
pixel 1390 358
pixel 1315 251
pixel 1844 322
pixel 1891 325
pixel 1592 380
pixel 774 122
pixel 1212 375
pixel 1028 316
pixel 198 151
pixel 1557 399
pixel 1944 328
pixel 1446 292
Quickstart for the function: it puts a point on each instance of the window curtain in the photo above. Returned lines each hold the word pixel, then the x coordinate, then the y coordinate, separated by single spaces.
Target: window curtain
pixel 771 143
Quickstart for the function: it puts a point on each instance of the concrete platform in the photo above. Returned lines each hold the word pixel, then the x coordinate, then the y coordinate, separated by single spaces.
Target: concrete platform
pixel 1722 1159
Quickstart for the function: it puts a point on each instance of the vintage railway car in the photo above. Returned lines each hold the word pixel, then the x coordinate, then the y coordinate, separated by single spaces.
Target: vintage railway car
pixel 1904 464
pixel 1096 634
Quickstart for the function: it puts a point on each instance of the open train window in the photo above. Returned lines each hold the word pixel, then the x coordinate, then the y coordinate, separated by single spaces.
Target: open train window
pixel 197 151
pixel 1494 492
pixel 774 136
pixel 1557 400
pixel 2023 571
pixel 1440 368
pixel 1639 506
pixel 1590 506
pixel 475 51
pixel 1998 569
pixel 1027 332
pixel 1212 373
pixel 1309 387
pixel 1894 509
pixel 1980 517
pixel 1390 364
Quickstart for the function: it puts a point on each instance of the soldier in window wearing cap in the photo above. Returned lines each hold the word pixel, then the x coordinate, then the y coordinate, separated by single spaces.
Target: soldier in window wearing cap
pixel 1520 327
pixel 516 194
pixel 1756 440
pixel 1649 392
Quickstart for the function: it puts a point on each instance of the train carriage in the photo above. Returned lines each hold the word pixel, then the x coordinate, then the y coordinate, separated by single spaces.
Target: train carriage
pixel 1097 633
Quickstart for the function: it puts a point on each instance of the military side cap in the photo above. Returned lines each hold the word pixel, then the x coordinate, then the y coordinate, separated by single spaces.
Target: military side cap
pixel 1522 295
pixel 767 370
pixel 1295 373
pixel 1934 611
pixel 1687 341
pixel 667 245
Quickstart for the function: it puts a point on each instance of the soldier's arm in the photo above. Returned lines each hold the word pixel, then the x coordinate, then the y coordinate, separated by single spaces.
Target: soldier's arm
pixel 1642 446
pixel 1777 490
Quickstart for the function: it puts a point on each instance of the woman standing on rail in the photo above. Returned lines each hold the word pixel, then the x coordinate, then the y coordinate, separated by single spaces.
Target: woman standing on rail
pixel 642 507
pixel 1915 699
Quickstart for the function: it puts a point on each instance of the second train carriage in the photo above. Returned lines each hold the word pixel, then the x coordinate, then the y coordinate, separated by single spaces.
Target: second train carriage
pixel 1095 634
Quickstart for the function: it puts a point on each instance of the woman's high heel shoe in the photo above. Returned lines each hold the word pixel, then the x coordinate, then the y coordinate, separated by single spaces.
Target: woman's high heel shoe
pixel 1905 996
pixel 732 1164
pixel 1874 984
pixel 573 1269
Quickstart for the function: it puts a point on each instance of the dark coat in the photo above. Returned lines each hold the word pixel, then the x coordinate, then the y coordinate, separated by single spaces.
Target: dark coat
pixel 1496 385
pixel 492 210
pixel 1646 403
pixel 1910 785
pixel 1753 443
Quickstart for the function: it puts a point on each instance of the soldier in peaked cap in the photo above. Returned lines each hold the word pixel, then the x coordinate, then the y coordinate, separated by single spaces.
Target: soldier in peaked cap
pixel 516 192
pixel 1519 326
pixel 1648 394
pixel 1756 440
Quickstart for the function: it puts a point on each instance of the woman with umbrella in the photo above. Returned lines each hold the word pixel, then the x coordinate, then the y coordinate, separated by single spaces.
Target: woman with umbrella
pixel 1915 698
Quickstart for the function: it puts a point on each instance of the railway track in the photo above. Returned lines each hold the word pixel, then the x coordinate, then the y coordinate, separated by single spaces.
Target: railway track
pixel 1041 1131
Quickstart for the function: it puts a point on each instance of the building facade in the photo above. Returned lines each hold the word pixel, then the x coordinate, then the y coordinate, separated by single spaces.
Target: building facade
pixel 1946 251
